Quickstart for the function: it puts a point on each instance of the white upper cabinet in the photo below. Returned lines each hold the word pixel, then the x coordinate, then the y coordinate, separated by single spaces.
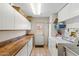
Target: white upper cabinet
pixel 10 19
pixel 21 22
pixel 69 11
pixel 73 25
pixel 6 17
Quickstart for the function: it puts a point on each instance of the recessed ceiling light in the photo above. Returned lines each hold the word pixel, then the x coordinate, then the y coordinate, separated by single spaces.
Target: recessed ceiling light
pixel 36 8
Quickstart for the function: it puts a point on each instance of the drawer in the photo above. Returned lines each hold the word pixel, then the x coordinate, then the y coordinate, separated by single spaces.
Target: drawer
pixel 70 53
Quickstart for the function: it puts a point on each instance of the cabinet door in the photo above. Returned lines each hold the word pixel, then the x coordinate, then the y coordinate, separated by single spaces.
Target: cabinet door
pixel 6 16
pixel 30 47
pixel 28 25
pixel 31 44
pixel 11 19
pixel 68 12
pixel 64 14
pixel 21 22
pixel 70 53
pixel 23 51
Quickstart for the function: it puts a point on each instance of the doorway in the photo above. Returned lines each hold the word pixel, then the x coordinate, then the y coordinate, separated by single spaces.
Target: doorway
pixel 40 28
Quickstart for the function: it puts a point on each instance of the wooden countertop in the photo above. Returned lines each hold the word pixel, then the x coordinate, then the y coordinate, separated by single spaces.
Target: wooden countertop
pixel 14 47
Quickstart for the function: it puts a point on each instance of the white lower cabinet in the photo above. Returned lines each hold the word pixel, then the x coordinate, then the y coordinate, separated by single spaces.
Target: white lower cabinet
pixel 23 51
pixel 26 50
pixel 70 53
pixel 30 47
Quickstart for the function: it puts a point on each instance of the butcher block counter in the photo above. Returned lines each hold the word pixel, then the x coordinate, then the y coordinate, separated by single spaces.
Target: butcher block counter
pixel 13 47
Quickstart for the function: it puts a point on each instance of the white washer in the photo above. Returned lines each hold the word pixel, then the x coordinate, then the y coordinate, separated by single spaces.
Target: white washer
pixel 39 39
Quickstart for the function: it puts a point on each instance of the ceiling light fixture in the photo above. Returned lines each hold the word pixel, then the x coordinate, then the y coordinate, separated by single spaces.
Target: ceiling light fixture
pixel 36 8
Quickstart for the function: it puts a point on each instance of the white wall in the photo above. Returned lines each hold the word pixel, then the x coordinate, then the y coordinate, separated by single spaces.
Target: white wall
pixel 44 21
pixel 5 35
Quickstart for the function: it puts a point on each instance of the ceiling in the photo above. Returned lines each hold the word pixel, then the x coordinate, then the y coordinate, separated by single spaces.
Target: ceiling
pixel 47 9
